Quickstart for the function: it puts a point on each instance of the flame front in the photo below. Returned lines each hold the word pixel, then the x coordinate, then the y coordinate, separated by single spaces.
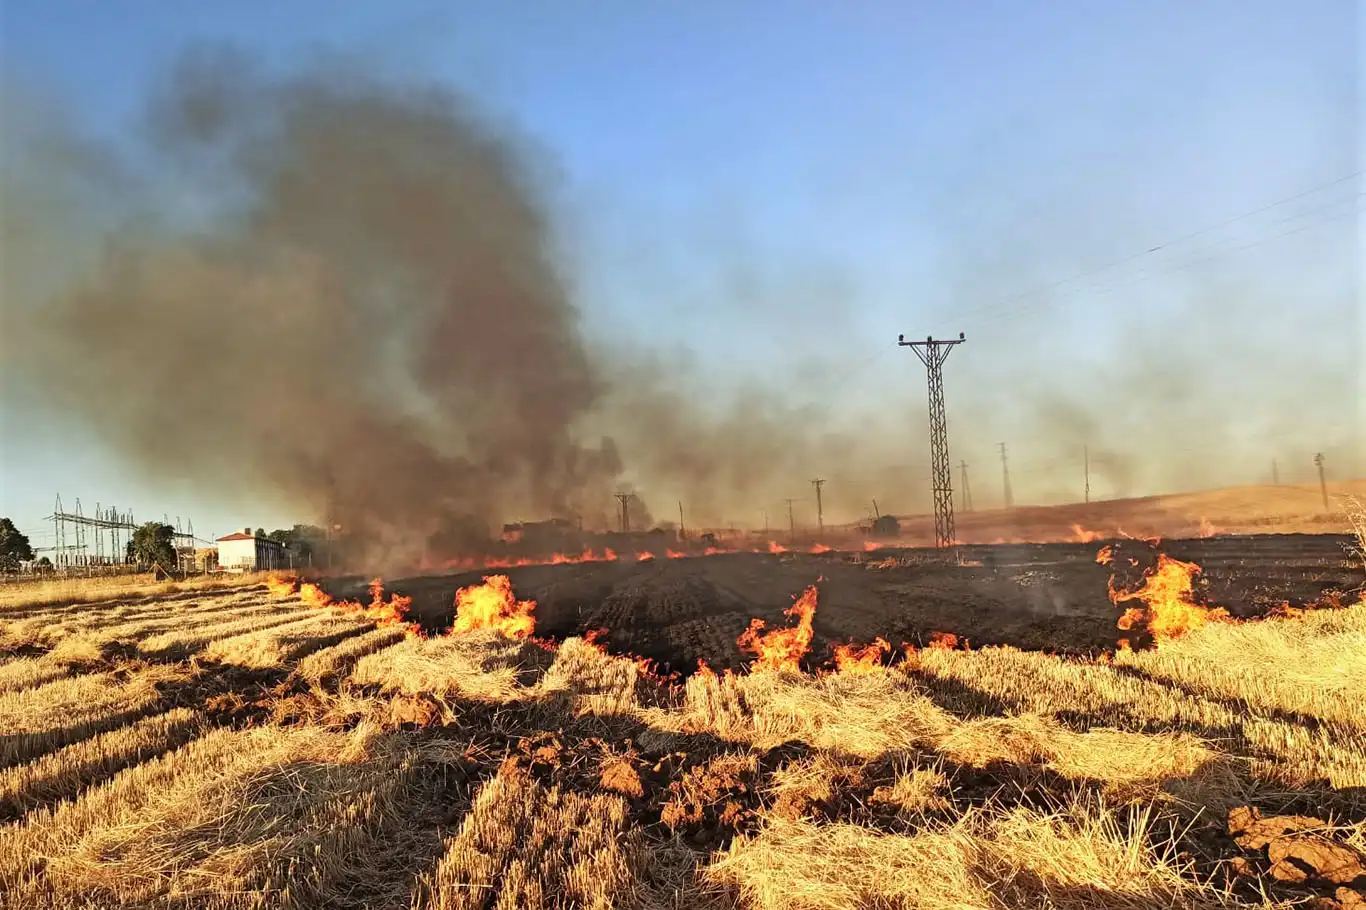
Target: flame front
pixel 782 649
pixel 280 586
pixel 492 605
pixel 859 659
pixel 314 596
pixel 1083 535
pixel 1168 609
pixel 945 641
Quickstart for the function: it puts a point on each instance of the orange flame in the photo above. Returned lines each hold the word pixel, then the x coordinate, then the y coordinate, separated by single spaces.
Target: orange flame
pixel 392 613
pixel 675 554
pixel 1105 555
pixel 1082 535
pixel 280 586
pixel 314 596
pixel 1168 610
pixel 644 556
pixel 782 649
pixel 871 545
pixel 492 605
pixel 775 547
pixel 859 659
pixel 945 641
pixel 1207 528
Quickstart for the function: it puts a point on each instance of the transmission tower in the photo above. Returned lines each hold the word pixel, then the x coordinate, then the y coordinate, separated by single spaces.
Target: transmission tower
pixel 1323 483
pixel 933 354
pixel 1006 495
pixel 967 490
pixel 820 510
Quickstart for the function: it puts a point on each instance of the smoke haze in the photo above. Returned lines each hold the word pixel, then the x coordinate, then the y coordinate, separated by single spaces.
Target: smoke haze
pixel 350 295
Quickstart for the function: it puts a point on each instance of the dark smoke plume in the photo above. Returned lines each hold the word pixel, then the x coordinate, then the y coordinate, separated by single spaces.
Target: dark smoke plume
pixel 344 297
pixel 365 318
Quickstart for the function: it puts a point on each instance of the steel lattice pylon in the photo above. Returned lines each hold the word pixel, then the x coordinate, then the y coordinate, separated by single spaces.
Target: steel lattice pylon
pixel 933 353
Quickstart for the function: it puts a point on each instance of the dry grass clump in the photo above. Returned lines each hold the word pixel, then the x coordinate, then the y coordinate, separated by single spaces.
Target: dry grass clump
pixel 192 636
pixel 339 658
pixel 67 771
pixel 584 681
pixel 36 721
pixel 484 665
pixel 238 819
pixel 1314 665
pixel 1082 858
pixel 889 712
pixel 525 847
pixel 281 645
pixel 52 592
pixel 29 672
pixel 1278 742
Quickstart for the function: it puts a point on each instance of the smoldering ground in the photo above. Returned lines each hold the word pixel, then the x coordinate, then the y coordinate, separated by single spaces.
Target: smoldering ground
pixel 347 294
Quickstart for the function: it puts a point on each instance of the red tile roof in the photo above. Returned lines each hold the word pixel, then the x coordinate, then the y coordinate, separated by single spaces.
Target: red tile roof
pixel 239 536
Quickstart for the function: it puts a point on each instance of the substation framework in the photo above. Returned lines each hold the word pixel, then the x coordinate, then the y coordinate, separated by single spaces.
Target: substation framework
pixel 101 540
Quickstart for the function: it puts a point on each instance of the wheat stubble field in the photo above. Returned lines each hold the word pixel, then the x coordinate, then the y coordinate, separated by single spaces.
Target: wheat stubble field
pixel 267 746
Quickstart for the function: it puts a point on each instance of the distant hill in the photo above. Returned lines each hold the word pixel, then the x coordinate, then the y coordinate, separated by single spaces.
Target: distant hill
pixel 1263 509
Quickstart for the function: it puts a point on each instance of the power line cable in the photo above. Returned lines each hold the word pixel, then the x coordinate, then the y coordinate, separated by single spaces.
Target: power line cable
pixel 1003 302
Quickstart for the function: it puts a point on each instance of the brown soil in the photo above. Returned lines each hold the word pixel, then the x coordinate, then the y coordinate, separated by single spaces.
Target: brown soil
pixel 1034 596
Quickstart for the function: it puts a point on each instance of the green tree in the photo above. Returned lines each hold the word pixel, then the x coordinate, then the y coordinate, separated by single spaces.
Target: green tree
pixel 153 544
pixel 304 541
pixel 14 547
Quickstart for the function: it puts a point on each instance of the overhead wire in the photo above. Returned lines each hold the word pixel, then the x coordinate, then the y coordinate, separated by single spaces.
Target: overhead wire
pixel 1001 306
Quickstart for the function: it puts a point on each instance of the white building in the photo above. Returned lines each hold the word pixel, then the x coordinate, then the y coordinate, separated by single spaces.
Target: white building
pixel 245 552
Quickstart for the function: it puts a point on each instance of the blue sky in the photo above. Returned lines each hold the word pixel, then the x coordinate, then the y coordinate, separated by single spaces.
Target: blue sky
pixel 798 182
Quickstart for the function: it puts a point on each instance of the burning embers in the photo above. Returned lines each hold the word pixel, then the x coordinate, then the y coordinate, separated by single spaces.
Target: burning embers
pixel 492 605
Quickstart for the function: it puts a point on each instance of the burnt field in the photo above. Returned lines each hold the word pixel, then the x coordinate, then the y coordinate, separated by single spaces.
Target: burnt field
pixel 265 745
pixel 1050 596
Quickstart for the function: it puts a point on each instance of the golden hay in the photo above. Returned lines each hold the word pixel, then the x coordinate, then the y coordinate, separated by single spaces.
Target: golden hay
pixel 36 721
pixel 249 819
pixel 67 771
pixel 1084 857
pixel 523 847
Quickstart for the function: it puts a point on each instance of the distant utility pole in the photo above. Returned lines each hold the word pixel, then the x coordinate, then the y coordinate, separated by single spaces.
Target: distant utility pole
pixel 933 354
pixel 682 529
pixel 1275 473
pixel 625 500
pixel 820 510
pixel 1005 479
pixel 967 490
pixel 1086 467
pixel 1323 484
pixel 791 522
pixel 765 522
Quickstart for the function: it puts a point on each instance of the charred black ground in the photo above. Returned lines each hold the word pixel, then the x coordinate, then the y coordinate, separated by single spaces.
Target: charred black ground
pixel 1052 597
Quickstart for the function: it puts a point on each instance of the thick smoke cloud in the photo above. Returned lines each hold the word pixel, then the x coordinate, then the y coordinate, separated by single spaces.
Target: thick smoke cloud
pixel 346 297
pixel 363 314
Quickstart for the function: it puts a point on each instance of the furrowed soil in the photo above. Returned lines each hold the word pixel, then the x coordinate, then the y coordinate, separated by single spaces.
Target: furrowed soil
pixel 240 749
pixel 1052 596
